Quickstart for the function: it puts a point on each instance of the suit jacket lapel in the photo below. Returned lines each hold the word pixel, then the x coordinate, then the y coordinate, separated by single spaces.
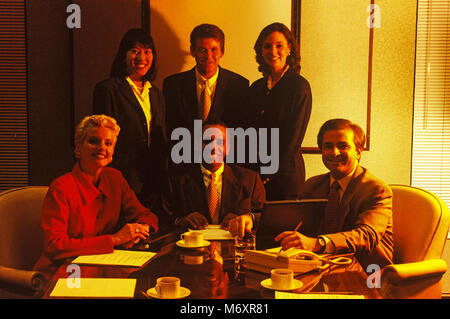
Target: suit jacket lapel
pixel 128 93
pixel 196 190
pixel 190 95
pixel 221 87
pixel 344 206
pixel 230 191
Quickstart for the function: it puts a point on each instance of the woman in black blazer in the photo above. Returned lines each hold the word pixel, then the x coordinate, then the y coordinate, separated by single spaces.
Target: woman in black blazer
pixel 281 99
pixel 138 107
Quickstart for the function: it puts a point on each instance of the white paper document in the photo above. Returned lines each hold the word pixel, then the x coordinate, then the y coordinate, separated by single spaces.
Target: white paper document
pixel 94 288
pixel 289 295
pixel 117 258
pixel 215 232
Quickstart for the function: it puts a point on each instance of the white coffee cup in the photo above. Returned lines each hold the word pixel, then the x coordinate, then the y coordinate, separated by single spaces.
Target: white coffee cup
pixel 168 287
pixel 282 278
pixel 192 238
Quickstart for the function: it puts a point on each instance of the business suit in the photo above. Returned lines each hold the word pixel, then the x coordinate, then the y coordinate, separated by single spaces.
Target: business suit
pixel 143 165
pixel 242 191
pixel 365 217
pixel 287 107
pixel 182 107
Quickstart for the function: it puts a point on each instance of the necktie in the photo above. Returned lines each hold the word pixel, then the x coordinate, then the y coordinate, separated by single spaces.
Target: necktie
pixel 213 195
pixel 205 100
pixel 331 209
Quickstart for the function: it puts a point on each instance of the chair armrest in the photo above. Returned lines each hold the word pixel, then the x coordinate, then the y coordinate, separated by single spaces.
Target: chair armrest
pixel 412 271
pixel 25 281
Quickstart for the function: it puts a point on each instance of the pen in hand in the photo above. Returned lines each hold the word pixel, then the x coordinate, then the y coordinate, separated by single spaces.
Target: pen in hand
pixel 295 230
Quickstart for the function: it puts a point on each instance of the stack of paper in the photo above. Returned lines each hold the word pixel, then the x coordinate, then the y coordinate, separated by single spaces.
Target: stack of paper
pixel 94 288
pixel 215 232
pixel 288 295
pixel 117 258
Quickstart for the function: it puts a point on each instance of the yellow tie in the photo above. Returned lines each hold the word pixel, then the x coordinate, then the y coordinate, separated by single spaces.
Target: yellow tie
pixel 205 99
pixel 213 195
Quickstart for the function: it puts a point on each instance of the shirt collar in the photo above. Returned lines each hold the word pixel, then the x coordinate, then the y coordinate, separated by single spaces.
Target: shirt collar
pixel 269 78
pixel 147 85
pixel 344 181
pixel 218 172
pixel 201 79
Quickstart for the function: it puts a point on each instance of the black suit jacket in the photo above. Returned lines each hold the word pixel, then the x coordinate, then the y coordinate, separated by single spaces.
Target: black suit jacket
pixel 139 163
pixel 180 94
pixel 286 107
pixel 242 192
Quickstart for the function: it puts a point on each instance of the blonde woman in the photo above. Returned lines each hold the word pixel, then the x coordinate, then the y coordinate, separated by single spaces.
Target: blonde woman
pixel 91 209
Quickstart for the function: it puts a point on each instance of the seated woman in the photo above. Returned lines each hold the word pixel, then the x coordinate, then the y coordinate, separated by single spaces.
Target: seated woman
pixel 92 209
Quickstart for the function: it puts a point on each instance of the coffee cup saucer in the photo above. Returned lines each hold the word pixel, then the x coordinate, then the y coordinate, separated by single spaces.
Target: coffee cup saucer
pixel 183 293
pixel 267 283
pixel 182 244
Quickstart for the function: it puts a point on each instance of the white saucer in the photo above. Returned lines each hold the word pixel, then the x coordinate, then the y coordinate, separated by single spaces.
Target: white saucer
pixel 267 283
pixel 184 292
pixel 181 243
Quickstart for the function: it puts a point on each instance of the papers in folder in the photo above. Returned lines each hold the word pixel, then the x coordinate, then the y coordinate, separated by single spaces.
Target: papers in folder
pixel 215 232
pixel 117 258
pixel 94 288
pixel 288 295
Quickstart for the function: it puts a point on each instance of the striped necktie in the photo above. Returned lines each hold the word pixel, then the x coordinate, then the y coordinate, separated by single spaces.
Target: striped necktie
pixel 213 195
pixel 205 100
pixel 331 209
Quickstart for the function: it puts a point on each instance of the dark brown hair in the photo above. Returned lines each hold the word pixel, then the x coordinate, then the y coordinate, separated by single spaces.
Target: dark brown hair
pixel 359 138
pixel 206 30
pixel 293 60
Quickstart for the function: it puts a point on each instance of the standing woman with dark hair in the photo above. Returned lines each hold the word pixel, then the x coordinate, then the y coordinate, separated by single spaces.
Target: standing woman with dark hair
pixel 138 107
pixel 281 100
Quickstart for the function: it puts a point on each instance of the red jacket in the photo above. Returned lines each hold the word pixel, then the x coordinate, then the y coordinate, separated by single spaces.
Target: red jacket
pixel 78 218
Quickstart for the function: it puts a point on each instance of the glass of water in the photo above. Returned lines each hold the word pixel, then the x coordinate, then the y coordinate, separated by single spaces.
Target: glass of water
pixel 241 246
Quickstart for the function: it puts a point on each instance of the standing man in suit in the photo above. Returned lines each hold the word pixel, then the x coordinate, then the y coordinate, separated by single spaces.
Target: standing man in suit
pixel 358 216
pixel 214 192
pixel 207 91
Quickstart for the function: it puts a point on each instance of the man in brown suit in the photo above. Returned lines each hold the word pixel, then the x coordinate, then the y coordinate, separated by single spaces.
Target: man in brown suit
pixel 361 219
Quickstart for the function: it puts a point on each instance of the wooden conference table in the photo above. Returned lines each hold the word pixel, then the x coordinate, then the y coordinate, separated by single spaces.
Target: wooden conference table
pixel 215 277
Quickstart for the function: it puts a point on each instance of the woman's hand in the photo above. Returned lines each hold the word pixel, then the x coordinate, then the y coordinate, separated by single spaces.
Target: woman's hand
pixel 130 234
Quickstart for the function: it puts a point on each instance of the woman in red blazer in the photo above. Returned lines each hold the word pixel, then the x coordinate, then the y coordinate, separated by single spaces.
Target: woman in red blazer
pixel 92 209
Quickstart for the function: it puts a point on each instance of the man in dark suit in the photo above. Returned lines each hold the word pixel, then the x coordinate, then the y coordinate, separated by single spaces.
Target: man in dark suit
pixel 214 192
pixel 358 216
pixel 207 91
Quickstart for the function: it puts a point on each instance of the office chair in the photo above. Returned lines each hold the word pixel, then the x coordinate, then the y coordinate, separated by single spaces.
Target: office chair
pixel 421 222
pixel 21 242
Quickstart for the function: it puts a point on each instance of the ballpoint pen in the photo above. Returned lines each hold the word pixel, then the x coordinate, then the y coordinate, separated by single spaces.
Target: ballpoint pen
pixel 295 230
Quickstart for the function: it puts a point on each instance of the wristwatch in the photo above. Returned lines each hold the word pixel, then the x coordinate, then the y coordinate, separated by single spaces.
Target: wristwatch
pixel 322 243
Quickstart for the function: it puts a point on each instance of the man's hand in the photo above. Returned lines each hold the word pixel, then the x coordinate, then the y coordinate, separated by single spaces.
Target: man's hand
pixel 290 239
pixel 194 220
pixel 240 225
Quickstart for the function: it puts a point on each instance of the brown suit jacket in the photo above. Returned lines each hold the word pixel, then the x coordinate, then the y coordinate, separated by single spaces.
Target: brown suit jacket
pixel 365 217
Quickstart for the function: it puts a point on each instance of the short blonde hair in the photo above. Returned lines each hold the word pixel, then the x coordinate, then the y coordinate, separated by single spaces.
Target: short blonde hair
pixel 95 121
